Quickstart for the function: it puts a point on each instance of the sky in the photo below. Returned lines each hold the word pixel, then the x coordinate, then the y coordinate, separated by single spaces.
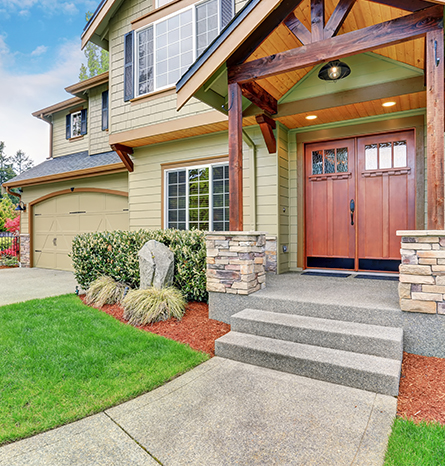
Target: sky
pixel 39 56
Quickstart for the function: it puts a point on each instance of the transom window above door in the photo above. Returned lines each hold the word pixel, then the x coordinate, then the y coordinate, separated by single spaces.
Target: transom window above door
pixel 198 198
pixel 167 48
pixel 385 155
pixel 330 161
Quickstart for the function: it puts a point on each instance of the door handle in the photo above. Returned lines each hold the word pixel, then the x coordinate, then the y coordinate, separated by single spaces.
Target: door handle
pixel 55 241
pixel 352 209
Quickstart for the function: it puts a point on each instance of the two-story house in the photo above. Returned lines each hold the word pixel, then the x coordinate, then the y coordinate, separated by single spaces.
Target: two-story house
pixel 313 120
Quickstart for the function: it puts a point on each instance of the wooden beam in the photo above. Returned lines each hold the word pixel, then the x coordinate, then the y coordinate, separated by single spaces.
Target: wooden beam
pixel 407 5
pixel 349 97
pixel 235 158
pixel 124 154
pixel 298 29
pixel 262 32
pixel 267 125
pixel 317 20
pixel 338 18
pixel 355 42
pixel 260 97
pixel 435 118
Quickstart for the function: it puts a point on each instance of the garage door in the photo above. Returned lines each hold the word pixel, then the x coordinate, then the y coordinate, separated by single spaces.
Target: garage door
pixel 59 219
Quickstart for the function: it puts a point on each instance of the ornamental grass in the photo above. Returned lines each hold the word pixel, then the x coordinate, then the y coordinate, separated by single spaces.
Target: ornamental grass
pixel 105 290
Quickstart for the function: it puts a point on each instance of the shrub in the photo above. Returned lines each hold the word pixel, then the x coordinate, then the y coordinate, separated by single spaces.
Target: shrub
pixel 105 290
pixel 6 211
pixel 152 305
pixel 115 254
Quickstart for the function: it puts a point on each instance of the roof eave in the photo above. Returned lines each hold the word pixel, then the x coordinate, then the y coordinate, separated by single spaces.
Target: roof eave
pixel 58 107
pixel 87 84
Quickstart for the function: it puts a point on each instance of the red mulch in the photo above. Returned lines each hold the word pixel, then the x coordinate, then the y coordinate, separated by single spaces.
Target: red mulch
pixel 194 329
pixel 8 267
pixel 422 389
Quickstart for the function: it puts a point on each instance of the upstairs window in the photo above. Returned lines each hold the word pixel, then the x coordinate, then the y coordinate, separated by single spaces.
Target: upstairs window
pixel 76 124
pixel 167 48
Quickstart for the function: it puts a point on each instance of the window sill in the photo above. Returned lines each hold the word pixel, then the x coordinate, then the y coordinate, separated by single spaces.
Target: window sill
pixel 76 138
pixel 153 95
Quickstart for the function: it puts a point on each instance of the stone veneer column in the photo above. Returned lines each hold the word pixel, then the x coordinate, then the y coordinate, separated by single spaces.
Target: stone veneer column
pixel 236 262
pixel 271 254
pixel 25 244
pixel 422 271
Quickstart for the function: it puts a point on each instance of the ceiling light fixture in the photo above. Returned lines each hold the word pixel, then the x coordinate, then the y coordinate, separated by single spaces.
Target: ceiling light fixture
pixel 388 104
pixel 334 70
pixel 311 117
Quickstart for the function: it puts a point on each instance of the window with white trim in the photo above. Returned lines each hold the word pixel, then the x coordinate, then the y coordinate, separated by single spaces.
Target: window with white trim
pixel 166 49
pixel 198 198
pixel 76 124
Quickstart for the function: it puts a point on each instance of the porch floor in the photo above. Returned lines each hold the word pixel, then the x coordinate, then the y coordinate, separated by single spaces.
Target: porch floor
pixel 348 291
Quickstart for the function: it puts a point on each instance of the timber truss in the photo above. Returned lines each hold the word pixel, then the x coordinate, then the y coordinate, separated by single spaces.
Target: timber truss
pixel 321 44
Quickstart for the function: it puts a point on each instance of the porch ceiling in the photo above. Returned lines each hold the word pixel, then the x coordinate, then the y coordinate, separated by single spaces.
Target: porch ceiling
pixel 364 13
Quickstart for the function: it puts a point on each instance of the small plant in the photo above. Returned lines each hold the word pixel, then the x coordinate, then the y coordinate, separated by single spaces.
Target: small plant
pixel 153 305
pixel 105 290
pixel 9 261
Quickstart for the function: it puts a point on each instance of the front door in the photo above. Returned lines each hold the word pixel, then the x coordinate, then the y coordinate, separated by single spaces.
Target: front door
pixel 359 192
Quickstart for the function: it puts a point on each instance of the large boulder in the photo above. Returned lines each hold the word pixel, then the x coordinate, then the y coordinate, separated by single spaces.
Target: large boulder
pixel 156 265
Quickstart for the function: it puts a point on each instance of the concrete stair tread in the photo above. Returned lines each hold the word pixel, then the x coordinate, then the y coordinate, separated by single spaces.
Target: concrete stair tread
pixel 362 362
pixel 316 323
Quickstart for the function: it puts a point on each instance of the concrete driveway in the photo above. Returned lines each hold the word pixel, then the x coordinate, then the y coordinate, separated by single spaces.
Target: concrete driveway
pixel 21 284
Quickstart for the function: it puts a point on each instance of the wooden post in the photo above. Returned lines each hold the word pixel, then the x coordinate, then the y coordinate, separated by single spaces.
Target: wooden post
pixel 435 128
pixel 235 158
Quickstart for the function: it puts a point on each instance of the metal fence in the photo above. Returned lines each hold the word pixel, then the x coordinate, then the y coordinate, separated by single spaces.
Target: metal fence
pixel 9 246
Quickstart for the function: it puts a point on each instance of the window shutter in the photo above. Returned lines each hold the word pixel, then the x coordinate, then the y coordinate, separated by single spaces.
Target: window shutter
pixel 68 126
pixel 83 121
pixel 128 67
pixel 104 110
pixel 226 12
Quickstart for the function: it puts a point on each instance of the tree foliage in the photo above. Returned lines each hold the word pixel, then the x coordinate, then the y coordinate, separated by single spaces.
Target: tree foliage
pixel 6 168
pixel 20 162
pixel 97 59
pixel 6 211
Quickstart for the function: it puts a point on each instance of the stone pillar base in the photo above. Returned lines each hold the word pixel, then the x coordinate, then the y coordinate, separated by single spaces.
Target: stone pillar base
pixel 25 244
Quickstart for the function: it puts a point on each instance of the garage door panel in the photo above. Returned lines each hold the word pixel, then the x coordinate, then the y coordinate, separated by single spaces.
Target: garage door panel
pixel 60 219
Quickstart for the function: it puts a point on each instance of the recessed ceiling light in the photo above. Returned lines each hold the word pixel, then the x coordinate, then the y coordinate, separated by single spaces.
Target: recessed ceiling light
pixel 388 104
pixel 311 117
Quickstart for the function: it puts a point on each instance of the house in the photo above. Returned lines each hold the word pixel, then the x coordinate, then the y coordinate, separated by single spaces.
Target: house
pixel 318 121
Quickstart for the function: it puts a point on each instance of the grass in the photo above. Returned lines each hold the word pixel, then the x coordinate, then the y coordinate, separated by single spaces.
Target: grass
pixel 413 444
pixel 61 361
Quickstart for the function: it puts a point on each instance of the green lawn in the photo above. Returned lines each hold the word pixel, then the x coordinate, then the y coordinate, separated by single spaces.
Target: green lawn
pixel 413 444
pixel 61 361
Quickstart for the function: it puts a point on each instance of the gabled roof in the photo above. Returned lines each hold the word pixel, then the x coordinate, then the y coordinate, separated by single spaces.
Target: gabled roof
pixel 58 107
pixel 87 84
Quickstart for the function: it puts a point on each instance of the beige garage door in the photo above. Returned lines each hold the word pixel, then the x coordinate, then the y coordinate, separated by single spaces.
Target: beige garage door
pixel 58 220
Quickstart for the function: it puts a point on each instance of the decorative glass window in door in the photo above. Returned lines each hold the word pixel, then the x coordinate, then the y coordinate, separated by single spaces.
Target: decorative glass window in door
pixel 330 161
pixel 386 155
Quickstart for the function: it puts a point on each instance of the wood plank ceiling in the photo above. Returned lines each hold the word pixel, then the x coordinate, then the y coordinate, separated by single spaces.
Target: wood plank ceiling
pixel 364 13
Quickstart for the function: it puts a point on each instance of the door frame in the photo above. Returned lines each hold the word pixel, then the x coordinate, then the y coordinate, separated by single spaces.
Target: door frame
pixel 356 132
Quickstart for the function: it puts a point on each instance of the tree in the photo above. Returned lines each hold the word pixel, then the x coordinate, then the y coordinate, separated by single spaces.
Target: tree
pixel 20 162
pixel 97 58
pixel 6 211
pixel 6 169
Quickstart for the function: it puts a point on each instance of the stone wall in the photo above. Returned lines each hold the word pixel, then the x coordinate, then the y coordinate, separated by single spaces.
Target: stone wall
pixel 25 244
pixel 422 271
pixel 271 254
pixel 236 262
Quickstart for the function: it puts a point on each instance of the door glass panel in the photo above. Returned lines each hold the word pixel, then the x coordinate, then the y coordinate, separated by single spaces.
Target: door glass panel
pixel 400 154
pixel 317 162
pixel 385 155
pixel 329 161
pixel 342 160
pixel 371 157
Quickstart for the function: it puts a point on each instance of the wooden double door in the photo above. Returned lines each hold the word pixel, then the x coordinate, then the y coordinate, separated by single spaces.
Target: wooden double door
pixel 359 192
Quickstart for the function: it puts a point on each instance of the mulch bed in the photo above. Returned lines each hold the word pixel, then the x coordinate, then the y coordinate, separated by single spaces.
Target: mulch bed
pixel 422 389
pixel 194 329
pixel 8 267
pixel 422 384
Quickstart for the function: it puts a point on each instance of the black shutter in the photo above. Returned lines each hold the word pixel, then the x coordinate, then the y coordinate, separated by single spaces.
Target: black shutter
pixel 104 110
pixel 226 12
pixel 68 126
pixel 83 121
pixel 128 67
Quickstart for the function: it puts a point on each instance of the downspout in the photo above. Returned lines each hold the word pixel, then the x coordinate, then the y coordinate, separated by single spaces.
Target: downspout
pixel 8 190
pixel 252 161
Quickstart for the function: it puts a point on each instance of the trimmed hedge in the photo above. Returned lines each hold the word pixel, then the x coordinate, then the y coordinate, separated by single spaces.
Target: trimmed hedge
pixel 115 254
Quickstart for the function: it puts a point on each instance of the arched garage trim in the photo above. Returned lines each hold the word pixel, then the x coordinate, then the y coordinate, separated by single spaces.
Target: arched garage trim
pixel 55 194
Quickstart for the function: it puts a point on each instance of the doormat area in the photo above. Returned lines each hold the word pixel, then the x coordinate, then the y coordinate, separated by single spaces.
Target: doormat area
pixel 378 277
pixel 327 274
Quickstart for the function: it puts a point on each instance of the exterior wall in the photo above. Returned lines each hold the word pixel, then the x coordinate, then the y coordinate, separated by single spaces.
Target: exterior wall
pixel 98 140
pixel 63 146
pixel 118 182
pixel 283 198
pixel 145 110
pixel 297 140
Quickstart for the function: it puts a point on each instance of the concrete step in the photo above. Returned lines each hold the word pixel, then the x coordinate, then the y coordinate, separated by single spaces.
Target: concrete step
pixel 386 342
pixel 366 372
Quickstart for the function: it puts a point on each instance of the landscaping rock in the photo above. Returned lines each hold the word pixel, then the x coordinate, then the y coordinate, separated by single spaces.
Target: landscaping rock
pixel 156 265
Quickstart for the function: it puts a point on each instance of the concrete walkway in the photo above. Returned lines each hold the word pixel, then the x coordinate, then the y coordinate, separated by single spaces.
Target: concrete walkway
pixel 224 413
pixel 21 284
